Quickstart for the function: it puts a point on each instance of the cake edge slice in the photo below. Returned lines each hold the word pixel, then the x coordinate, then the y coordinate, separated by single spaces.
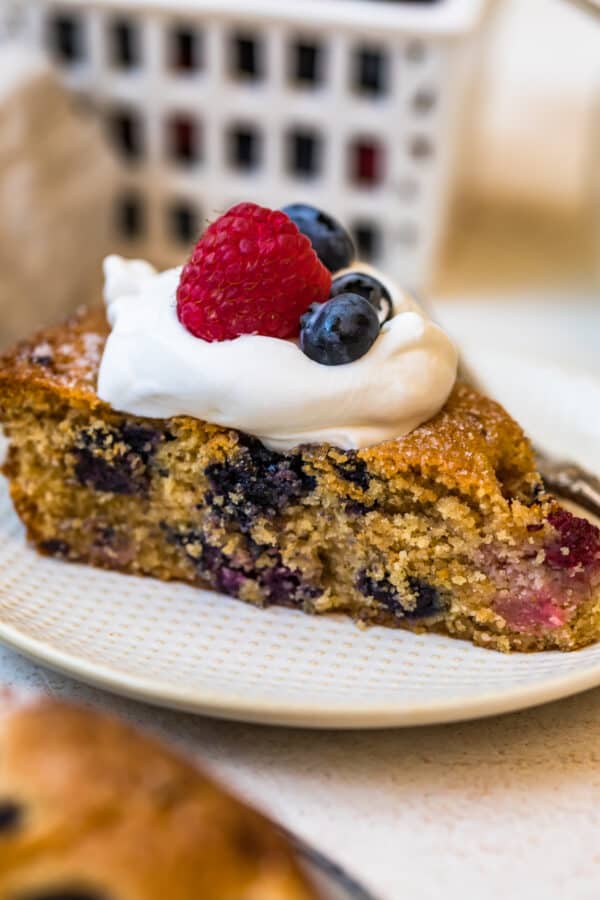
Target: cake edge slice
pixel 473 448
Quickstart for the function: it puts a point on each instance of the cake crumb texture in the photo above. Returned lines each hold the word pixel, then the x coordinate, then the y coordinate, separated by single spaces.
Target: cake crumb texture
pixel 447 529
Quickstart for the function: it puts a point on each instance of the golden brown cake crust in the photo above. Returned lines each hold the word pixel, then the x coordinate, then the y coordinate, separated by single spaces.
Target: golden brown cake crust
pixel 447 529
pixel 64 358
pixel 109 813
pixel 473 442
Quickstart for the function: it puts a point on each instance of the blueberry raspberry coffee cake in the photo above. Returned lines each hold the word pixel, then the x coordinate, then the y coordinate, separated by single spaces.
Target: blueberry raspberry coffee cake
pixel 92 810
pixel 281 423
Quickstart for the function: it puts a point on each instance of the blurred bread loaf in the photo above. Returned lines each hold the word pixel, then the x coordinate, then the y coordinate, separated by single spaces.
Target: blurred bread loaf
pixel 55 178
pixel 92 810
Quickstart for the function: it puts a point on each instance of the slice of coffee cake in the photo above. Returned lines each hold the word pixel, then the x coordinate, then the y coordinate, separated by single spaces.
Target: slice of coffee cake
pixel 446 529
pixel 282 424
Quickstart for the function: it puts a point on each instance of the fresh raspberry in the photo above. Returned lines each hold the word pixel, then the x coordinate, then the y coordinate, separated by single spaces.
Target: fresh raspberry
pixel 252 272
pixel 577 544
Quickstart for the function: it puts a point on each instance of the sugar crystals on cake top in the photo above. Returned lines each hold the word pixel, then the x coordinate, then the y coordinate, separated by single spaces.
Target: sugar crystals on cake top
pixel 283 423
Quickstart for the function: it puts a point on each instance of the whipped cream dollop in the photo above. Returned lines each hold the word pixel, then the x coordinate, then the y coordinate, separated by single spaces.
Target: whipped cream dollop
pixel 152 366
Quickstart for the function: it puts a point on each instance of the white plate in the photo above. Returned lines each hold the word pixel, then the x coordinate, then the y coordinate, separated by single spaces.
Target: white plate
pixel 178 646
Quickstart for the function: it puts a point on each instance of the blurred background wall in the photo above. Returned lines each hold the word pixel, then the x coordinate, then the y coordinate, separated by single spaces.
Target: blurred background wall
pixel 528 201
pixel 535 127
pixel 55 169
pixel 523 184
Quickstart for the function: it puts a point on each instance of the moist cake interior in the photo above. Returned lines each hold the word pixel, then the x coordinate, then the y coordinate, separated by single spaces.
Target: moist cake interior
pixel 448 529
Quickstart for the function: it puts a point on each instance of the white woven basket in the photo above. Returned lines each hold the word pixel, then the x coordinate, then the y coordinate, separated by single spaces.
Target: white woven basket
pixel 369 135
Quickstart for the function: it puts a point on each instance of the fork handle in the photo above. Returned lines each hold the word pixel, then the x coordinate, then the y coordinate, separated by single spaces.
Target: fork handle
pixel 566 479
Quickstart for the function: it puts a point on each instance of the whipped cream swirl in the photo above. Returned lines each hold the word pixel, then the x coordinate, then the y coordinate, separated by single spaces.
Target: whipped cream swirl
pixel 152 366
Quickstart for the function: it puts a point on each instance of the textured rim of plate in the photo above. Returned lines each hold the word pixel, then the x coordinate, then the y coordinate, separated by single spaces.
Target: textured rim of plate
pixel 228 705
pixel 267 712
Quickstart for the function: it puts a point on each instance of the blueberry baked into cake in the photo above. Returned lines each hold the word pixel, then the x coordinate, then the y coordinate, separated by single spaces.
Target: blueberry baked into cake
pixel 282 424
pixel 91 809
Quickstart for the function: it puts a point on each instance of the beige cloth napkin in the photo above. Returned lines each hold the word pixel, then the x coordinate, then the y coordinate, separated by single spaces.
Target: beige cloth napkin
pixel 55 175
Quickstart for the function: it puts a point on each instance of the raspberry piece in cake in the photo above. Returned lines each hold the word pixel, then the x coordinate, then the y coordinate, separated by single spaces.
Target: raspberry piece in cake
pixel 252 272
pixel 577 545
pixel 445 529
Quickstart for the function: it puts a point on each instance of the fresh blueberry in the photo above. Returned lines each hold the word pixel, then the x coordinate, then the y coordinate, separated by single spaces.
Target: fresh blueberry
pixel 284 586
pixel 106 477
pixel 223 572
pixel 257 482
pixel 63 893
pixel 54 547
pixel 141 439
pixel 280 584
pixel 331 242
pixel 381 589
pixel 356 508
pixel 354 470
pixel 116 460
pixel 365 286
pixel 339 331
pixel 11 815
pixel 428 601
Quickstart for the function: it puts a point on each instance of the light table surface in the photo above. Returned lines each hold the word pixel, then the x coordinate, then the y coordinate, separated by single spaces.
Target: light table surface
pixel 505 807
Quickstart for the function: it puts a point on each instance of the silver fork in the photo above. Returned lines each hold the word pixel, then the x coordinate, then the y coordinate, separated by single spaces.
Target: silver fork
pixel 561 477
pixel 564 478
